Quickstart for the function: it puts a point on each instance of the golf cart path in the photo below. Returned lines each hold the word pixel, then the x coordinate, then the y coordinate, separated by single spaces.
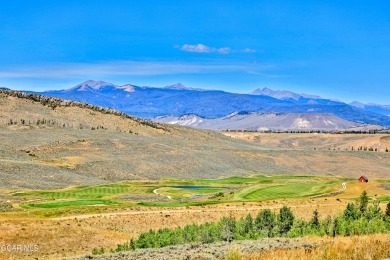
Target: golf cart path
pixel 155 192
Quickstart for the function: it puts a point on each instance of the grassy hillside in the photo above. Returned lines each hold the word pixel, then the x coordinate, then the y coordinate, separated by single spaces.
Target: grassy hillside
pixel 317 141
pixel 44 144
pixel 48 143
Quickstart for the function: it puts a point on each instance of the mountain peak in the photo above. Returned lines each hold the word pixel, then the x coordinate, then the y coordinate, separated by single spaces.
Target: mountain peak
pixel 282 94
pixel 126 88
pixel 91 85
pixel 267 89
pixel 176 86
pixel 357 104
pixel 179 86
pixel 263 91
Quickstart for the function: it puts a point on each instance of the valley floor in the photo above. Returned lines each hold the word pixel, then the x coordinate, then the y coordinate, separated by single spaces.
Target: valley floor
pixel 78 235
pixel 70 182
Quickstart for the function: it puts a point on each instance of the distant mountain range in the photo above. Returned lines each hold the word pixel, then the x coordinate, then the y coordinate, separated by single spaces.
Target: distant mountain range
pixel 257 121
pixel 178 100
pixel 282 94
pixel 380 109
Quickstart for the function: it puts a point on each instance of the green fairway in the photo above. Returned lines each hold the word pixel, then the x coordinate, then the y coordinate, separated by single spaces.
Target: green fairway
pixel 89 192
pixel 385 199
pixel 264 192
pixel 177 192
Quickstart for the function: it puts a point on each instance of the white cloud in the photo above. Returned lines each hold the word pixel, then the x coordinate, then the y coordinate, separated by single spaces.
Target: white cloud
pixel 224 50
pixel 201 48
pixel 196 48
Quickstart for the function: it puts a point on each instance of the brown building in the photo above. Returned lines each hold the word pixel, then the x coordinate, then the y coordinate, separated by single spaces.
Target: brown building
pixel 363 179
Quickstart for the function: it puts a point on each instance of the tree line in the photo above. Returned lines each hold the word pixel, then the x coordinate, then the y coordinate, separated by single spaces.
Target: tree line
pixel 309 131
pixel 357 219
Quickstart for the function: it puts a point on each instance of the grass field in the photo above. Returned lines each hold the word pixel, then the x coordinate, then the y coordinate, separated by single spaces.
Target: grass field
pixel 77 219
pixel 175 193
pixel 88 192
pixel 182 192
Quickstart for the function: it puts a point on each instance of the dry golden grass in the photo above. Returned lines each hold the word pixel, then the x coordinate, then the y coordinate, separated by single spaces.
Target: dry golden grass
pixel 78 235
pixel 356 247
pixel 373 189
pixel 55 239
pixel 327 154
pixel 15 108
pixel 314 140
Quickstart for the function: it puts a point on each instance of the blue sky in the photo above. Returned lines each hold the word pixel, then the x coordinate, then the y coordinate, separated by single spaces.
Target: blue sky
pixel 337 49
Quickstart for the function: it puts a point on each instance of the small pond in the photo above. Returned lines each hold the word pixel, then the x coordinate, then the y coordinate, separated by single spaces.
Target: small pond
pixel 192 187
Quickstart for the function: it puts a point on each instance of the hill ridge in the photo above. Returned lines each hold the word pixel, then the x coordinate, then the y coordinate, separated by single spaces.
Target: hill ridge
pixel 54 102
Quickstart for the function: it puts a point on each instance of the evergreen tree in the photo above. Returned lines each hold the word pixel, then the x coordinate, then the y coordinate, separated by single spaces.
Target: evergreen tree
pixel 286 220
pixel 351 212
pixel 228 228
pixel 373 212
pixel 328 225
pixel 363 202
pixel 132 244
pixel 146 240
pixel 315 220
pixel 265 221
pixel 336 227
pixel 209 233
pixel 248 224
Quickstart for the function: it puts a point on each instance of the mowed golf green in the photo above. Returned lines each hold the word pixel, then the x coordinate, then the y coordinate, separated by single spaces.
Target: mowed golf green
pixel 183 192
pixel 264 192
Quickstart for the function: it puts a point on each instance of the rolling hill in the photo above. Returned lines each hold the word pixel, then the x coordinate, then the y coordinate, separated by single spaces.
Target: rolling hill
pixel 51 143
pixel 256 121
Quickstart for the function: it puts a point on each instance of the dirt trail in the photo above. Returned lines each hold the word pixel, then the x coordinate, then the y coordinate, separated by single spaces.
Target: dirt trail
pixel 174 211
